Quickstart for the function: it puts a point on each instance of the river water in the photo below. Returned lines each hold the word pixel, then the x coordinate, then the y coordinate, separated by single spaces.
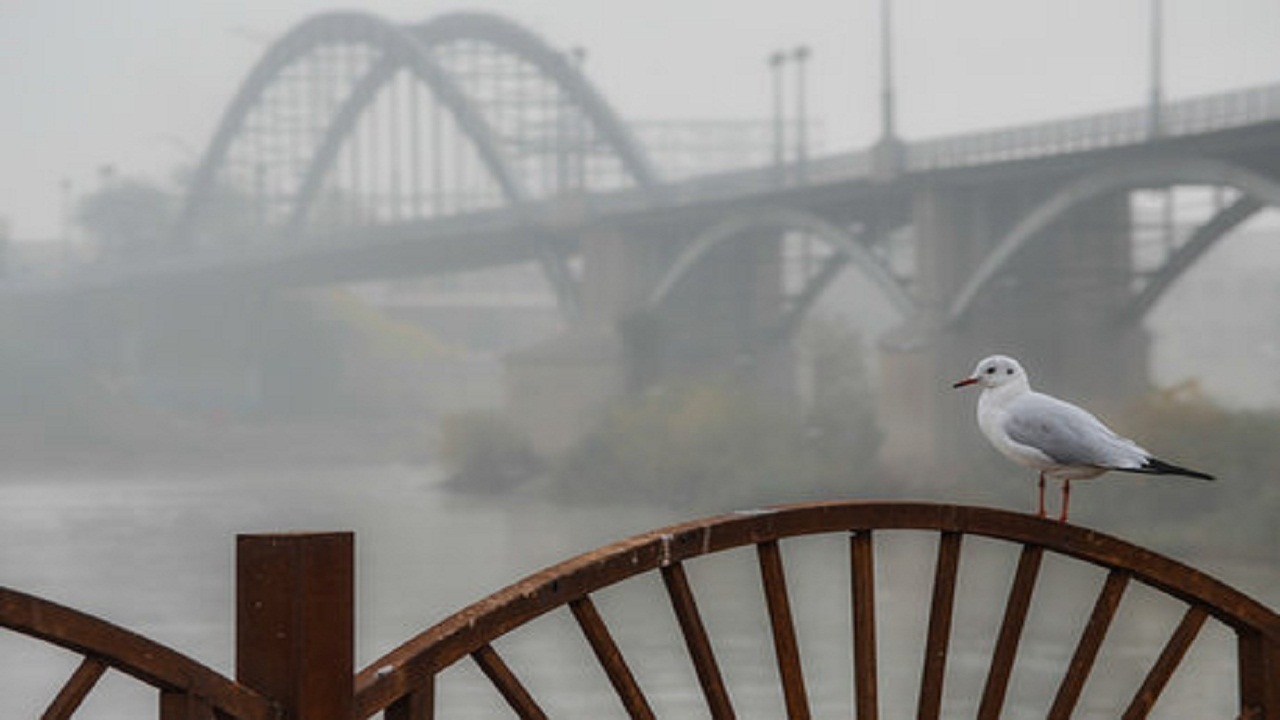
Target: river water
pixel 153 551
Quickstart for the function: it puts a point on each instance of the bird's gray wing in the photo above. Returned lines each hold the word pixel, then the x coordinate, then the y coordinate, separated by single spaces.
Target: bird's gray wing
pixel 1069 435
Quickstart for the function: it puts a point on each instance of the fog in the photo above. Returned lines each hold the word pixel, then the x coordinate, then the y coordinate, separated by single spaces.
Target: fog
pixel 97 84
pixel 484 366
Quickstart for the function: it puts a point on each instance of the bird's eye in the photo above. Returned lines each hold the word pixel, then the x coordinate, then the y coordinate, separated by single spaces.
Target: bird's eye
pixel 991 370
pixel 1008 371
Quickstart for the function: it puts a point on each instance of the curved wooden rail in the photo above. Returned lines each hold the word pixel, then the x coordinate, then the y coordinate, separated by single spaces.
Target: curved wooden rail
pixel 401 683
pixel 188 690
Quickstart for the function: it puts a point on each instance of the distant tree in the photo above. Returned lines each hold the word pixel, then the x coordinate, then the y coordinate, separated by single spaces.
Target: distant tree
pixel 127 217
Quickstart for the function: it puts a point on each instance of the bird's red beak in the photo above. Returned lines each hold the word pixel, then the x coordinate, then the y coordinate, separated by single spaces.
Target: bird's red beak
pixel 964 382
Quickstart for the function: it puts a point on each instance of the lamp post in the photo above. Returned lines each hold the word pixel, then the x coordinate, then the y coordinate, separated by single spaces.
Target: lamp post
pixel 1155 112
pixel 801 55
pixel 888 153
pixel 776 61
pixel 886 71
pixel 1155 108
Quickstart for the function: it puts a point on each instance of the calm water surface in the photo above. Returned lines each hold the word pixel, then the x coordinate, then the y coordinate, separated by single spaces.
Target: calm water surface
pixel 154 552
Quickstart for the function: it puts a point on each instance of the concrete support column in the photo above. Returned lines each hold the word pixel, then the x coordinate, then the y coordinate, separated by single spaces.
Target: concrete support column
pixel 712 323
pixel 555 390
pixel 916 360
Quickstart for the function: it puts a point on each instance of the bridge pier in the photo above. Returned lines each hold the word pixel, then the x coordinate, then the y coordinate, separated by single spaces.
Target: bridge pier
pixel 1056 309
pixel 711 325
pixel 555 390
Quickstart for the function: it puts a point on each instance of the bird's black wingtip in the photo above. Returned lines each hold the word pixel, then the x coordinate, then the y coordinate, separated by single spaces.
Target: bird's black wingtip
pixel 1156 466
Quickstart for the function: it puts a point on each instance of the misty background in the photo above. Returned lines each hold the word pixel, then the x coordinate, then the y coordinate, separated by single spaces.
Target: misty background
pixel 383 405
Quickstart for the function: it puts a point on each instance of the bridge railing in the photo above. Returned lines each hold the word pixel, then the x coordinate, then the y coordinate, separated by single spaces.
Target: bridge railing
pixel 1055 137
pixel 1130 126
pixel 1213 112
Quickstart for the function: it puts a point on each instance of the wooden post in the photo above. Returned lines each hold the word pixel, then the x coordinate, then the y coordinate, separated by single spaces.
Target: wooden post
pixel 295 621
pixel 1259 669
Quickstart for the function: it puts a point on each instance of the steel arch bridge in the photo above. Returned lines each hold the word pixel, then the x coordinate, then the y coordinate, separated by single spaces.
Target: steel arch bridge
pixel 352 120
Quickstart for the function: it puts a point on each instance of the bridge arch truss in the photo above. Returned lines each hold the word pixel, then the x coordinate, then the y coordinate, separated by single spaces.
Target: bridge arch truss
pixel 845 246
pixel 351 120
pixel 1255 191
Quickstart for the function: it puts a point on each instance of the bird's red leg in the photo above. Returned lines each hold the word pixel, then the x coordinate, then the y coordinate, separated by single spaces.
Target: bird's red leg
pixel 1041 512
pixel 1066 499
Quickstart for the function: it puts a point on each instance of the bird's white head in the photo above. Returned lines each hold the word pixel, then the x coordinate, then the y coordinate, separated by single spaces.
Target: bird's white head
pixel 993 372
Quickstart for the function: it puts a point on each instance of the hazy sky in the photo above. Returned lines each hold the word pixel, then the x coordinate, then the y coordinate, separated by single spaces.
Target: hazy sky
pixel 140 84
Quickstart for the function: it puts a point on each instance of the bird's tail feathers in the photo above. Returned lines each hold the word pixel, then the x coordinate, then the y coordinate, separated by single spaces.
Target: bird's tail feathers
pixel 1154 466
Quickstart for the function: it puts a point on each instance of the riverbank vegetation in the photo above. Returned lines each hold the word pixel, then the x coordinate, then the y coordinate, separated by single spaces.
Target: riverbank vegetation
pixel 708 443
pixel 713 445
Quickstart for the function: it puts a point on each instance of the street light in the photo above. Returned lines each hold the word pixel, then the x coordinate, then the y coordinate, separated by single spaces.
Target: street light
pixel 888 154
pixel 886 72
pixel 801 55
pixel 1155 109
pixel 776 61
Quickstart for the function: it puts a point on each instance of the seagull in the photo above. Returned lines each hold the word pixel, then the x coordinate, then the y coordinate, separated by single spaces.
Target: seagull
pixel 1060 440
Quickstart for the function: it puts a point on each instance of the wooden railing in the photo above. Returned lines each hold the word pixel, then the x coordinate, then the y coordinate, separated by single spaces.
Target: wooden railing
pixel 186 690
pixel 402 683
pixel 295 630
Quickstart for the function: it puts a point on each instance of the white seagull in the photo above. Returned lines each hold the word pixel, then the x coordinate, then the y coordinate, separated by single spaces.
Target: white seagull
pixel 1059 439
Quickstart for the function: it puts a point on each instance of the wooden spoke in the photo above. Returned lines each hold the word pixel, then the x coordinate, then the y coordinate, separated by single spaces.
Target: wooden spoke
pixel 863 575
pixel 1167 663
pixel 785 646
pixel 939 638
pixel 1015 616
pixel 1104 610
pixel 697 642
pixel 610 657
pixel 507 683
pixel 73 693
